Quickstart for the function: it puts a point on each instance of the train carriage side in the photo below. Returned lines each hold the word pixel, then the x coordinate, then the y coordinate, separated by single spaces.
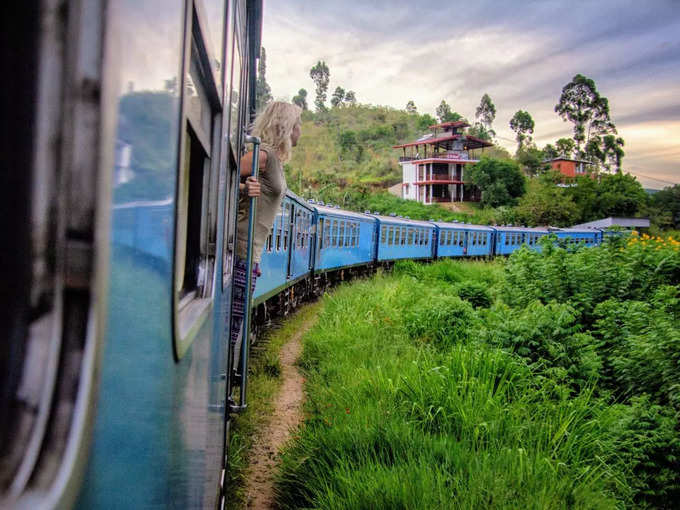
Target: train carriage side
pixel 509 239
pixel 403 238
pixel 343 239
pixel 462 240
pixel 578 236
pixel 287 252
pixel 479 240
pixel 126 359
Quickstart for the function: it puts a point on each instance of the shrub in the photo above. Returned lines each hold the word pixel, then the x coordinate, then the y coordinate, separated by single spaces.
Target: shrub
pixel 442 319
pixel 474 293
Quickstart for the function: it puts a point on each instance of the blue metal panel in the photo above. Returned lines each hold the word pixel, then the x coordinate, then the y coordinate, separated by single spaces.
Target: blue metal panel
pixel 575 237
pixel 509 239
pixel 343 240
pixel 404 239
pixel 301 245
pixel 274 260
pixel 158 434
pixel 451 242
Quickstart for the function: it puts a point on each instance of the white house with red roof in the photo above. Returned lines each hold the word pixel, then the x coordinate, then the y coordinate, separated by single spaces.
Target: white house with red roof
pixel 433 167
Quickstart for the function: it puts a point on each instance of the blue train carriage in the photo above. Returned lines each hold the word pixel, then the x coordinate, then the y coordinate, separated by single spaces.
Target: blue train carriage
pixel 287 254
pixel 509 239
pixel 114 392
pixel 344 239
pixel 464 240
pixel 403 238
pixel 574 237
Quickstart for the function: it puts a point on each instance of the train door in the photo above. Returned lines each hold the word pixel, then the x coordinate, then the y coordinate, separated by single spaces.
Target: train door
pixel 289 227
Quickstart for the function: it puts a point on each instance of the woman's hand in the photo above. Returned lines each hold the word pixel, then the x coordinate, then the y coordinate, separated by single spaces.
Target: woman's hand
pixel 252 187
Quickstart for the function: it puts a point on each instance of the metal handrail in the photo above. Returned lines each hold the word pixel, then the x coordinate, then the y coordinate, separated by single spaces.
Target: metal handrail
pixel 245 339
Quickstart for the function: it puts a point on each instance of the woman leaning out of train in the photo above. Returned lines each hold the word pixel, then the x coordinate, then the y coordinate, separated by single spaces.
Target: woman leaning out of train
pixel 278 127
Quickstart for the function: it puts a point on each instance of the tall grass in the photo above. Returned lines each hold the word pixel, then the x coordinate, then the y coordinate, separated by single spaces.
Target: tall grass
pixel 409 414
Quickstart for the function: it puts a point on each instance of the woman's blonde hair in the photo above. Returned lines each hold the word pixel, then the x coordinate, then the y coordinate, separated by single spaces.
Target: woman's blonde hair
pixel 275 124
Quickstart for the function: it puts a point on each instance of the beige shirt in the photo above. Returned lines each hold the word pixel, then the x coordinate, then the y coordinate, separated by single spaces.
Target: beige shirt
pixel 273 187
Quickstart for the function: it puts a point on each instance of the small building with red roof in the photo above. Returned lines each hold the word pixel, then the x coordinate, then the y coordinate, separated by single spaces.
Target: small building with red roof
pixel 569 167
pixel 433 167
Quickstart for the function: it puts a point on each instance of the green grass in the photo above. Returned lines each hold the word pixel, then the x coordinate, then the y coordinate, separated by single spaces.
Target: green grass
pixel 264 382
pixel 409 414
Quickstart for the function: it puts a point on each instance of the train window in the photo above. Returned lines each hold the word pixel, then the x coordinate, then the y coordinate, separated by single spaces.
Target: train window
pixel 196 209
pixel 461 238
pixel 322 233
pixel 402 236
pixel 286 225
pixel 390 236
pixel 277 226
pixel 328 234
pixel 383 234
pixel 341 236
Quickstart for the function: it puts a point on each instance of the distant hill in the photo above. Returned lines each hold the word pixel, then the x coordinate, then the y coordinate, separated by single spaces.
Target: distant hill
pixel 351 146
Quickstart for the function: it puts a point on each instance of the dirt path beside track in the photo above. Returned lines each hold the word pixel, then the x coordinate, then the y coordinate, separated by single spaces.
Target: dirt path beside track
pixel 286 417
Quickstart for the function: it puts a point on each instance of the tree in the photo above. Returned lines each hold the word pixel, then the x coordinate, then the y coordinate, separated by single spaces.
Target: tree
pixel 301 99
pixel 531 160
pixel 320 74
pixel 263 93
pixel 565 147
pixel 613 151
pixel 550 151
pixel 351 98
pixel 479 131
pixel 411 107
pixel 500 181
pixel 666 204
pixel 620 195
pixel 546 204
pixel 338 97
pixel 425 121
pixel 445 114
pixel 523 126
pixel 581 104
pixel 486 114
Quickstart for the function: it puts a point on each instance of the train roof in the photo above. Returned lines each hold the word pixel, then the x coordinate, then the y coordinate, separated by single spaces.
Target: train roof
pixel 403 221
pixel 462 226
pixel 335 211
pixel 574 230
pixel 297 198
pixel 522 229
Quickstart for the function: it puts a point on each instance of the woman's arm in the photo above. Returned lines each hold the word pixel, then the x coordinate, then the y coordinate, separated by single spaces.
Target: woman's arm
pixel 251 185
pixel 247 163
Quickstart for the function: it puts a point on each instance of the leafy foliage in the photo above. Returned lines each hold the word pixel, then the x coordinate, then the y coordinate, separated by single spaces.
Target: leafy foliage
pixel 320 74
pixel 523 126
pixel 558 395
pixel 301 99
pixel 263 92
pixel 500 181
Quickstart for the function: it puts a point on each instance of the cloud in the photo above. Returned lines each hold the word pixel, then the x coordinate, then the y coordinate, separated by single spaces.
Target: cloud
pixel 521 54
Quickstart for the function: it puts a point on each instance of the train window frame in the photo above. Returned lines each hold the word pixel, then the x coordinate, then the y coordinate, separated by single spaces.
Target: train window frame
pixel 277 229
pixel 383 234
pixel 197 187
pixel 287 225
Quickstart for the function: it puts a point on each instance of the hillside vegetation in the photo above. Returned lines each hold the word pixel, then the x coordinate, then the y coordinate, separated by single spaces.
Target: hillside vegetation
pixel 352 146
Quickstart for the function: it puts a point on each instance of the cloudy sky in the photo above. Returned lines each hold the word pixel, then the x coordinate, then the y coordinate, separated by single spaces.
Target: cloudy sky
pixel 520 53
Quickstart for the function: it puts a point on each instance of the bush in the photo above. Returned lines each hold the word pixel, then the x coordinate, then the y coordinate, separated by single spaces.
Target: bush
pixel 474 293
pixel 441 319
